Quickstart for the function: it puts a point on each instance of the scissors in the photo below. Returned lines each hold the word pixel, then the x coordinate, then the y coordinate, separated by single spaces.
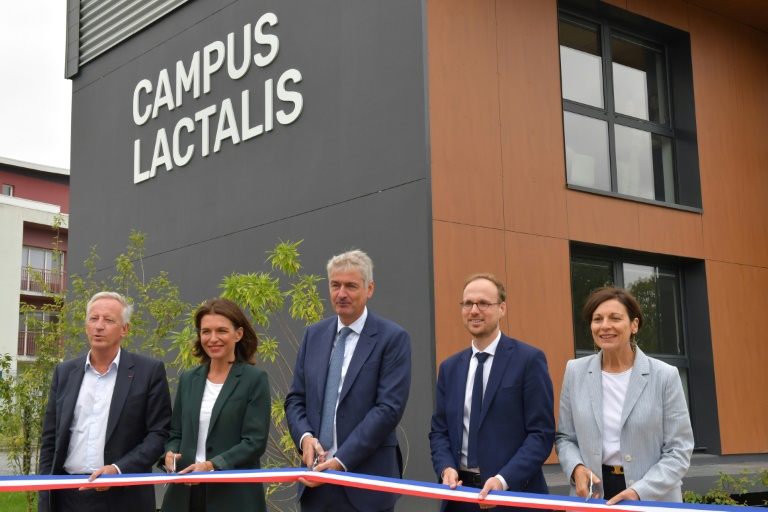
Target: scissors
pixel 317 457
pixel 589 495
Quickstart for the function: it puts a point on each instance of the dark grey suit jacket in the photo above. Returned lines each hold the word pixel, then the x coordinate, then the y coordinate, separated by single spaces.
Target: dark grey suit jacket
pixel 137 427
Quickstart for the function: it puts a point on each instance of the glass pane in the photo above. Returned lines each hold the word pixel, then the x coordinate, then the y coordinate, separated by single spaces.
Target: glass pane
pixel 657 293
pixel 586 275
pixel 684 379
pixel 639 81
pixel 644 164
pixel 581 64
pixel 586 151
pixel 36 258
pixel 24 256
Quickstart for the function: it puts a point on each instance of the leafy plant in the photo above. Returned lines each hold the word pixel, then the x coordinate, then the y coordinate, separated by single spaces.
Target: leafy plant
pixel 728 487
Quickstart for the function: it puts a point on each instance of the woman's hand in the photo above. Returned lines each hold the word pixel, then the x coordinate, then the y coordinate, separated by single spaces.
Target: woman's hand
pixel 170 461
pixel 197 467
pixel 626 494
pixel 581 477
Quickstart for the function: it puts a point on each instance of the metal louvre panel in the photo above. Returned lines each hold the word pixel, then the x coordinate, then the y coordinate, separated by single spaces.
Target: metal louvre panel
pixel 104 23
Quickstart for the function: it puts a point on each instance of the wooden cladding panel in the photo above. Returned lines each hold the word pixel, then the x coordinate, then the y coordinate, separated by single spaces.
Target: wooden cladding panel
pixel 531 118
pixel 731 125
pixel 539 300
pixel 464 112
pixel 667 231
pixel 603 220
pixel 460 251
pixel 670 12
pixel 738 293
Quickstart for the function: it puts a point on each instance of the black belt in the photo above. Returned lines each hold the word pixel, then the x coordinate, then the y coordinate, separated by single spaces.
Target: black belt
pixel 470 479
pixel 613 470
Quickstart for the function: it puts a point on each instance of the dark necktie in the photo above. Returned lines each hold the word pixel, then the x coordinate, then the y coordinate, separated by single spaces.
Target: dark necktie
pixel 474 412
pixel 332 390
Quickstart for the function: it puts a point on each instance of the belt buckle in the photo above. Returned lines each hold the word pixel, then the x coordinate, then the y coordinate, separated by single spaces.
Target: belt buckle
pixel 617 470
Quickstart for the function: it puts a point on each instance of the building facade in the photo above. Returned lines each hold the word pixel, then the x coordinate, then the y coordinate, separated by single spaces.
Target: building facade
pixel 32 263
pixel 560 145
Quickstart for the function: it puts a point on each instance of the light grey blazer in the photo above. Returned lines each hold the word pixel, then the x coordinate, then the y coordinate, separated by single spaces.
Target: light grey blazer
pixel 656 436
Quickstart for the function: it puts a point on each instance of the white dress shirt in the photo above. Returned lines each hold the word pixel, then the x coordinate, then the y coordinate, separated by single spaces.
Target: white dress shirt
pixel 615 387
pixel 491 351
pixel 89 423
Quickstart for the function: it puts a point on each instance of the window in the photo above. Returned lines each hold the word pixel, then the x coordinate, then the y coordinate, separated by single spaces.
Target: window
pixel 624 132
pixel 42 270
pixel 672 293
pixel 32 328
pixel 7 190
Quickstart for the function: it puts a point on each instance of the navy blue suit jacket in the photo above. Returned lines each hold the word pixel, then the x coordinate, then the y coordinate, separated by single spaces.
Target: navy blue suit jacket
pixel 517 423
pixel 371 402
pixel 137 427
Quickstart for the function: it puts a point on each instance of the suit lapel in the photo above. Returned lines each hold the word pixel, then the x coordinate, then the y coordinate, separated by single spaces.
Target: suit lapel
pixel 70 393
pixel 594 381
pixel 363 349
pixel 460 391
pixel 195 397
pixel 123 381
pixel 637 382
pixel 325 346
pixel 501 360
pixel 230 384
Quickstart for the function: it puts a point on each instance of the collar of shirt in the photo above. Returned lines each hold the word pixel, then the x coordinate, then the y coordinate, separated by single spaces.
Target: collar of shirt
pixel 357 325
pixel 114 364
pixel 490 349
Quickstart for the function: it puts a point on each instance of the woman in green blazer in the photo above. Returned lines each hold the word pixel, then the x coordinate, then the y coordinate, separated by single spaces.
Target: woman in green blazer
pixel 220 415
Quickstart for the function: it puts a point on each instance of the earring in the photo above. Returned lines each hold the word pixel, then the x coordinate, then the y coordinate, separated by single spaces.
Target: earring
pixel 596 348
pixel 633 343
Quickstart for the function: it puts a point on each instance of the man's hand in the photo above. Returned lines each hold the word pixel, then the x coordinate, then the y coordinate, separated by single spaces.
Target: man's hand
pixel 581 476
pixel 310 447
pixel 106 470
pixel 492 484
pixel 451 478
pixel 626 494
pixel 332 464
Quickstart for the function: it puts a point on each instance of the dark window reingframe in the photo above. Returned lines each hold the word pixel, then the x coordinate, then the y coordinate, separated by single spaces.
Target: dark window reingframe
pixel 679 77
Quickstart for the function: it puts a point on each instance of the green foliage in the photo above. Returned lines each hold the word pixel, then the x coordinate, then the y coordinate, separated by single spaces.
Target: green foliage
pixel 263 297
pixel 729 488
pixel 15 501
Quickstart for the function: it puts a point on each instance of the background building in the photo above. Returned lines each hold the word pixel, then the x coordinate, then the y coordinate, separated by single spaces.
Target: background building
pixel 33 196
pixel 449 137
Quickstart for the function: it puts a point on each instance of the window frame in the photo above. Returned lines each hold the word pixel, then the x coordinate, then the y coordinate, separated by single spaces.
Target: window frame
pixel 9 188
pixel 676 44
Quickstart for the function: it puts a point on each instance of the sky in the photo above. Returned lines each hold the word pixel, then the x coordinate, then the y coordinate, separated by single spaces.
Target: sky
pixel 35 98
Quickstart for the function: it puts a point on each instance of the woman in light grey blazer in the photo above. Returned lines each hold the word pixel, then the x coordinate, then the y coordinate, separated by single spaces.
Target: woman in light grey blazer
pixel 624 432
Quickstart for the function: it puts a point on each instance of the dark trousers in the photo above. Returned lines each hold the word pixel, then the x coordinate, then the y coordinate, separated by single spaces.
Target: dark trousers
pixel 612 484
pixel 328 498
pixel 74 500
pixel 197 498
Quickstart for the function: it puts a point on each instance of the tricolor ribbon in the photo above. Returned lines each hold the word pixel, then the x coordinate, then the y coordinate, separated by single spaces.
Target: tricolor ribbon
pixel 373 483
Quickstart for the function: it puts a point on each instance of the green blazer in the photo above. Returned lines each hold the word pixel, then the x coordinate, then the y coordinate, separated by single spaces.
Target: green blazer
pixel 237 436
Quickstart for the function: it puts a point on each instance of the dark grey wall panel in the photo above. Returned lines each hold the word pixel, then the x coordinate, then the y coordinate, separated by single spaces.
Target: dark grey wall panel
pixel 351 171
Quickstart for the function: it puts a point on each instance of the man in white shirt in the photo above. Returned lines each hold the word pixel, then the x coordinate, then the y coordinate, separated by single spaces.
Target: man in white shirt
pixel 108 412
pixel 493 425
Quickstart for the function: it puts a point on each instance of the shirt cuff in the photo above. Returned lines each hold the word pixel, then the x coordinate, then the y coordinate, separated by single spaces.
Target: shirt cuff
pixel 342 464
pixel 117 468
pixel 301 441
pixel 504 486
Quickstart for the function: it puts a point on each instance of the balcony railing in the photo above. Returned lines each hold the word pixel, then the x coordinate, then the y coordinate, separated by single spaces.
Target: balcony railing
pixel 27 342
pixel 42 280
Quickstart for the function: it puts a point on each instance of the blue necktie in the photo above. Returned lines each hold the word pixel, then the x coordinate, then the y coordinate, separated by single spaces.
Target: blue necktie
pixel 332 390
pixel 474 412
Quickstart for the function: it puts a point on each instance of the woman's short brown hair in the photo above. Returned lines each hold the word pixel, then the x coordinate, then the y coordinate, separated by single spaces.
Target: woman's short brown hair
pixel 245 349
pixel 609 293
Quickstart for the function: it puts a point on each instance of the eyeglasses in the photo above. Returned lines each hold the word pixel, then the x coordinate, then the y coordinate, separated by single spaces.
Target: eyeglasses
pixel 482 305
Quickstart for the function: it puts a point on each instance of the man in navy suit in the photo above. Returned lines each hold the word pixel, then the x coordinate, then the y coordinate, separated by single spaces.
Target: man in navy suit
pixel 108 412
pixel 494 436
pixel 343 411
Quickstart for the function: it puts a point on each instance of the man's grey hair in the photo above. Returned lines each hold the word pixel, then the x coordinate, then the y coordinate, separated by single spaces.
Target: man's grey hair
pixel 355 259
pixel 127 308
